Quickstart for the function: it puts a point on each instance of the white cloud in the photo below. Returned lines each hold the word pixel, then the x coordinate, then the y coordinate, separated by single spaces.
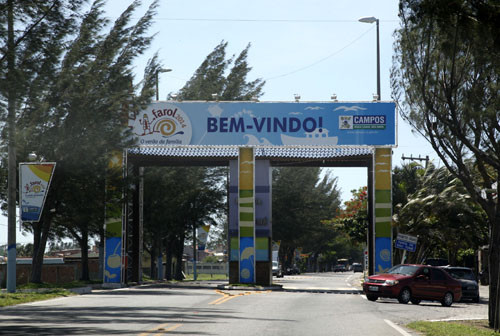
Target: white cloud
pixel 244 112
pixel 215 110
pixel 350 108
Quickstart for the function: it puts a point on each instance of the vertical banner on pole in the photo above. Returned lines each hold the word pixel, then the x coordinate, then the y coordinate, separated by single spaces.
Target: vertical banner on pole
pixel 246 210
pixel 383 209
pixel 202 236
pixel 34 183
pixel 113 222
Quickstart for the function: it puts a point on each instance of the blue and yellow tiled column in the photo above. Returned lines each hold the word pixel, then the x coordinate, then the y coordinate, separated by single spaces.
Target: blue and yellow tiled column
pixel 249 234
pixel 383 209
pixel 246 210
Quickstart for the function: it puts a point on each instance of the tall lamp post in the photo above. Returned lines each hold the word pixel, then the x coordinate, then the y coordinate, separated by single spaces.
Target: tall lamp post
pixel 372 19
pixel 157 80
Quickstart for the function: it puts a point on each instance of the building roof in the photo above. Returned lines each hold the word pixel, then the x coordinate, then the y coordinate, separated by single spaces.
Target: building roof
pixel 347 156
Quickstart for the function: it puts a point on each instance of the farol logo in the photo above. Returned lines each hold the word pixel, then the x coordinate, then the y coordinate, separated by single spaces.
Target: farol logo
pixel 164 124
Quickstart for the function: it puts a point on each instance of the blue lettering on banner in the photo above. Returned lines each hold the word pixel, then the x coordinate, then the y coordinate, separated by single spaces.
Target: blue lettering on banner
pixel 276 125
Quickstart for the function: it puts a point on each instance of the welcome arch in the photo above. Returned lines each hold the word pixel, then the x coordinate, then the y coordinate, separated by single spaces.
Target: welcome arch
pixel 250 138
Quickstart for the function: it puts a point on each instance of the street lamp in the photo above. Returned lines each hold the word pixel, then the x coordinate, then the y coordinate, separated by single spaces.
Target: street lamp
pixel 372 19
pixel 157 80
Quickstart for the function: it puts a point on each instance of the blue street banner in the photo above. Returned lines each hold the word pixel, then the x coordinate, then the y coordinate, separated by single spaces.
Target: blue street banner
pixel 267 123
pixel 34 184
pixel 383 253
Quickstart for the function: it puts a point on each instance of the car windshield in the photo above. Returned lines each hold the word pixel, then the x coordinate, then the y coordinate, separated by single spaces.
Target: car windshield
pixel 275 264
pixel 461 274
pixel 403 269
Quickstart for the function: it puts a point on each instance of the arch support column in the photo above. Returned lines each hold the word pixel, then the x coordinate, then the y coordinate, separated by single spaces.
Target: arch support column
pixel 382 210
pixel 250 234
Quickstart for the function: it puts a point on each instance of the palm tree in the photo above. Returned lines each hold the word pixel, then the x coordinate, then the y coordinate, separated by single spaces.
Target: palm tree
pixel 443 216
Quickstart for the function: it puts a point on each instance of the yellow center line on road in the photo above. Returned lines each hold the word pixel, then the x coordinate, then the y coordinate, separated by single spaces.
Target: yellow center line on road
pixel 168 329
pixel 226 296
pixel 162 328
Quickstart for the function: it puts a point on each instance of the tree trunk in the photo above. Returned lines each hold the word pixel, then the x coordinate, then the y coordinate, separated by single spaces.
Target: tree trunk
pixel 84 247
pixel 152 254
pixel 494 273
pixel 101 252
pixel 40 234
pixel 168 266
pixel 179 252
pixel 159 268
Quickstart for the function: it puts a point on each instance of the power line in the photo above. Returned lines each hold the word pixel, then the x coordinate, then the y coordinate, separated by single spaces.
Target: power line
pixel 254 20
pixel 324 58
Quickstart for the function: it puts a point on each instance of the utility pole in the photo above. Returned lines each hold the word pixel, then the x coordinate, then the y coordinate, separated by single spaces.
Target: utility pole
pixel 11 179
pixel 411 158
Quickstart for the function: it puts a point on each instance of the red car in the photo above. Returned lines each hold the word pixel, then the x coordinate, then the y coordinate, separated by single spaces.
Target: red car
pixel 414 283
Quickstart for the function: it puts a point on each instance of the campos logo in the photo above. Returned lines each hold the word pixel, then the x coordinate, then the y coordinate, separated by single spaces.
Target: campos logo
pixel 163 125
pixel 362 122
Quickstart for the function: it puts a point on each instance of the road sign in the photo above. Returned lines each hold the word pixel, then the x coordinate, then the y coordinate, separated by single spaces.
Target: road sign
pixel 406 242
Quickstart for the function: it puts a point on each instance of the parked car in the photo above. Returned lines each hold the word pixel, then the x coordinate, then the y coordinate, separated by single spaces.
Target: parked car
pixel 356 267
pixel 436 262
pixel 465 275
pixel 293 269
pixel 414 283
pixel 339 268
pixel 277 271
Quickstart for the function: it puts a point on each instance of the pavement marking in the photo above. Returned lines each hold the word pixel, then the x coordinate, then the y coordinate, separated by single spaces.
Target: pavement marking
pixel 160 329
pixel 227 296
pixel 397 328
pixel 167 329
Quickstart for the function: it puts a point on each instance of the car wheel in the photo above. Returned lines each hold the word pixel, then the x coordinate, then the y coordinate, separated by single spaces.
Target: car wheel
pixel 476 299
pixel 415 301
pixel 447 299
pixel 371 297
pixel 404 296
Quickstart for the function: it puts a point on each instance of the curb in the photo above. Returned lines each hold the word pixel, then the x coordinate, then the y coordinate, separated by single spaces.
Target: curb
pixel 76 290
pixel 81 290
pixel 251 288
pixel 324 290
pixel 275 287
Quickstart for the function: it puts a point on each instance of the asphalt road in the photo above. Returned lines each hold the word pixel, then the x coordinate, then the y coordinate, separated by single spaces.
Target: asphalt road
pixel 204 310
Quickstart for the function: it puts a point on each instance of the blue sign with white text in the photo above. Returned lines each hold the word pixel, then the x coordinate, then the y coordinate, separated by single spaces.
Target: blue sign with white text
pixel 406 245
pixel 266 123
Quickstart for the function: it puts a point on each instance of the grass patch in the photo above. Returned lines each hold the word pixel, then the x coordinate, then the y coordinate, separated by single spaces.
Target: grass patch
pixel 10 299
pixel 73 284
pixel 32 292
pixel 456 328
pixel 205 277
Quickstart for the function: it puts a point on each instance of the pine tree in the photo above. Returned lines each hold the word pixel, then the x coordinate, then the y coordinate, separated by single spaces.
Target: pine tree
pixel 210 78
pixel 206 197
pixel 75 113
pixel 31 36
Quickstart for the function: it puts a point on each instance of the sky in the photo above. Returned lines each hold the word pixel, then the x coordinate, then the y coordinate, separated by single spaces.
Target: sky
pixel 314 48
